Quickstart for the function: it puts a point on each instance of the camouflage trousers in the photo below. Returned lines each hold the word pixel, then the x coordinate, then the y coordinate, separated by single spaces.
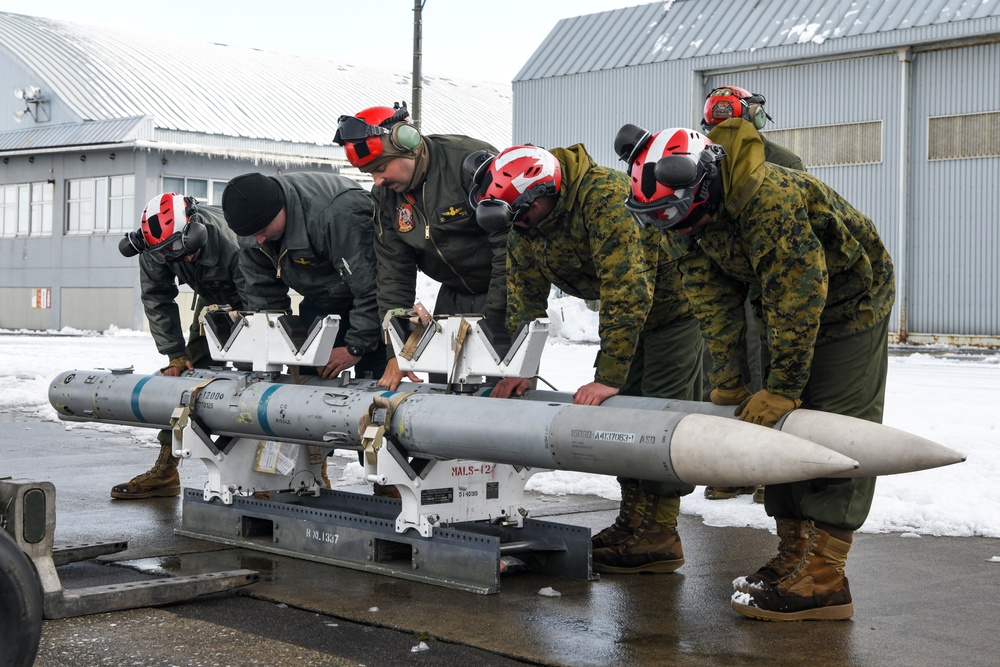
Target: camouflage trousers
pixel 667 364
pixel 847 377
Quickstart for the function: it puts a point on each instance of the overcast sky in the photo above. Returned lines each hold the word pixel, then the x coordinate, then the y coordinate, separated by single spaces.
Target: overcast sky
pixel 461 38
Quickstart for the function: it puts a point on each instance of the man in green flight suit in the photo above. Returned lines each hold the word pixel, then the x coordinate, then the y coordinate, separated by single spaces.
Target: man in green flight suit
pixel 423 220
pixel 818 275
pixel 179 241
pixel 571 230
pixel 311 232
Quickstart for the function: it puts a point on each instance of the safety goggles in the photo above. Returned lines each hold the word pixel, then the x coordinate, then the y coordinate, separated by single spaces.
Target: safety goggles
pixel 170 250
pixel 352 129
pixel 663 216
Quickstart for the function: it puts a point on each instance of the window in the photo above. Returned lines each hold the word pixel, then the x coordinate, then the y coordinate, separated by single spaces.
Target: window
pixel 833 145
pixel 121 204
pixel 8 210
pixel 42 195
pixel 964 137
pixel 205 190
pixel 100 205
pixel 26 209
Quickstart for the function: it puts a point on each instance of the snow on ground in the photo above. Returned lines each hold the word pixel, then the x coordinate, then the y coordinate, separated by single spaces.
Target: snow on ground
pixel 950 398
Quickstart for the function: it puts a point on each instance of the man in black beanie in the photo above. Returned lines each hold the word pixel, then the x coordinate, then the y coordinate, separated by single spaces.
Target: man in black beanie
pixel 311 232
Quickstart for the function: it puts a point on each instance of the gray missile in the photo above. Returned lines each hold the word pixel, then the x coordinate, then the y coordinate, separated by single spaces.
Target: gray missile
pixel 627 442
pixel 879 449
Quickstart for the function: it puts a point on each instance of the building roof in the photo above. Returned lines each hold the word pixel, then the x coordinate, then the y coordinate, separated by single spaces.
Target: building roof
pixel 254 97
pixel 680 29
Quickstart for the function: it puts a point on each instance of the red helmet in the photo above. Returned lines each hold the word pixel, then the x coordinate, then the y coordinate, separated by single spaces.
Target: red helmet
pixel 505 187
pixel 168 231
pixel 727 102
pixel 361 134
pixel 672 172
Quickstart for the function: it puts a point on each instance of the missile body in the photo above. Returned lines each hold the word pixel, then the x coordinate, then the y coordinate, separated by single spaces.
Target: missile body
pixel 878 449
pixel 623 441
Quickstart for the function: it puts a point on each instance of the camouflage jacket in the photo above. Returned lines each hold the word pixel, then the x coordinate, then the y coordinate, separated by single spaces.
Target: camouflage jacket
pixel 326 254
pixel 590 247
pixel 814 268
pixel 435 231
pixel 215 278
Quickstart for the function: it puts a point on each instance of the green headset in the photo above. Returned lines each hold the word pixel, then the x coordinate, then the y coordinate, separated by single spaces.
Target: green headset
pixel 405 137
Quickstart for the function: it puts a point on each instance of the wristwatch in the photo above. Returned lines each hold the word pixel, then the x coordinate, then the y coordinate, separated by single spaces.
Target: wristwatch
pixel 355 351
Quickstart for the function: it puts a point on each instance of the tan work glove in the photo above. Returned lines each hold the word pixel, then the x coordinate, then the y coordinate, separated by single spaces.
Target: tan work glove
pixel 729 396
pixel 176 366
pixel 765 408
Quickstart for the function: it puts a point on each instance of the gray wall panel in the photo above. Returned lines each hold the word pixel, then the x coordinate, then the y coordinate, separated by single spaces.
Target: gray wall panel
pixel 954 243
pixel 97 308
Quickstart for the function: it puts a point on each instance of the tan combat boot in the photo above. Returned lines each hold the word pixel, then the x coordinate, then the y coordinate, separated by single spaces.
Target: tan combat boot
pixel 792 542
pixel 160 481
pixel 655 547
pixel 816 588
pixel 629 517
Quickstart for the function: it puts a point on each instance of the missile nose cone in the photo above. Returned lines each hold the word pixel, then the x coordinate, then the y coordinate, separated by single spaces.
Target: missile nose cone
pixel 743 454
pixel 883 450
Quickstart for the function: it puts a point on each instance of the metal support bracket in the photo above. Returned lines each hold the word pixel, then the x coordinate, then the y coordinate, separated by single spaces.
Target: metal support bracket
pixel 269 340
pixel 466 348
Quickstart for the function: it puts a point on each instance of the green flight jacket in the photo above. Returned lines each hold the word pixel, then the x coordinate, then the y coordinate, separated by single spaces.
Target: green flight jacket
pixel 438 234
pixel 590 247
pixel 215 277
pixel 814 267
pixel 780 155
pixel 326 254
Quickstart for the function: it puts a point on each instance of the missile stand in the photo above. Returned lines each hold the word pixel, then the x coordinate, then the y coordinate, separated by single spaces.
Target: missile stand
pixel 448 522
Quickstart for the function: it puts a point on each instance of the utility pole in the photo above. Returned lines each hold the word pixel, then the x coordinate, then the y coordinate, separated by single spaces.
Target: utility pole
pixel 418 6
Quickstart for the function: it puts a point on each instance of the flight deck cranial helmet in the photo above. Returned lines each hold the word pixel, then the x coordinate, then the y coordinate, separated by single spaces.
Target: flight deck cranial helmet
pixel 505 186
pixel 674 174
pixel 727 102
pixel 168 231
pixel 361 134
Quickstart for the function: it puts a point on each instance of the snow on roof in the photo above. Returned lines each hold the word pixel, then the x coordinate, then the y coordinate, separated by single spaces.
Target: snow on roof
pixel 231 91
pixel 680 29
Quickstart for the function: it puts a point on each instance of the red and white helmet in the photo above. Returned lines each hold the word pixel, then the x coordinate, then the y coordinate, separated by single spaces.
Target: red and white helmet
pixel 727 102
pixel 504 187
pixel 167 229
pixel 671 173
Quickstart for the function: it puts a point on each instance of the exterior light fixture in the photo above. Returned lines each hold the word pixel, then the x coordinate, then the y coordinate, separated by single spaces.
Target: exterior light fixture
pixel 34 104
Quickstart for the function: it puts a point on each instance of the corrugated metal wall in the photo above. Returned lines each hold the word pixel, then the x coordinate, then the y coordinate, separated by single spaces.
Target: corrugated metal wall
pixel 954 244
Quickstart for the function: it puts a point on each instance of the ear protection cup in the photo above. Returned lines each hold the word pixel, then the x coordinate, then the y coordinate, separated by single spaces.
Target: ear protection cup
pixel 754 110
pixel 405 137
pixel 194 236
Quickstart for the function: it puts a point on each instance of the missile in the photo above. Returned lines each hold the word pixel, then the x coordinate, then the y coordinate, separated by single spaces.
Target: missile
pixel 878 449
pixel 636 443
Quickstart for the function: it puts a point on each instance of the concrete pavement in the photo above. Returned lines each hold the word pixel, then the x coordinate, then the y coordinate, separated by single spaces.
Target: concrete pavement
pixel 918 601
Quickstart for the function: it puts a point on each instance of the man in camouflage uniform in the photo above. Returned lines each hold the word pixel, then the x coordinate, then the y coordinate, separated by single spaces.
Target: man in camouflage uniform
pixel 571 230
pixel 820 278
pixel 423 220
pixel 211 270
pixel 311 232
pixel 721 104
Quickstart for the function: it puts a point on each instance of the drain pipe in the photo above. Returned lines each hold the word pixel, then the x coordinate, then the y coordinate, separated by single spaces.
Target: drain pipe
pixel 902 259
